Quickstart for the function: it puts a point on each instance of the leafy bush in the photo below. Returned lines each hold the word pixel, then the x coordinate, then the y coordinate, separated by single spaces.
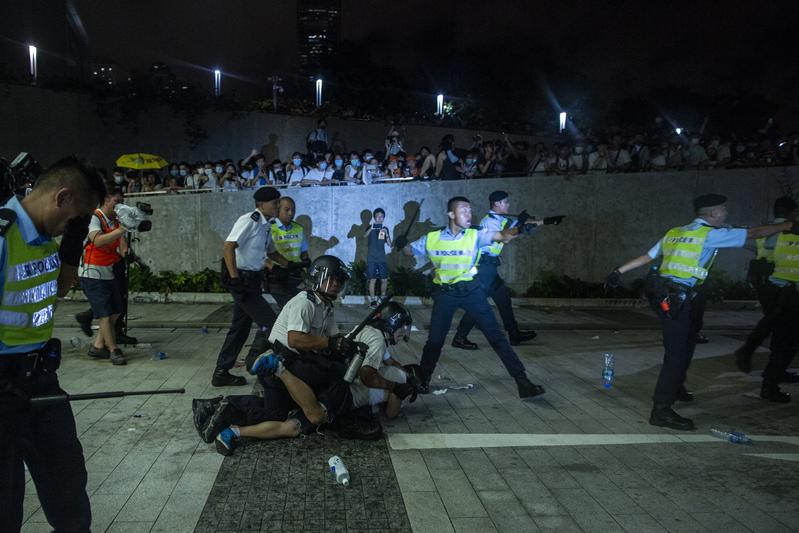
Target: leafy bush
pixel 142 279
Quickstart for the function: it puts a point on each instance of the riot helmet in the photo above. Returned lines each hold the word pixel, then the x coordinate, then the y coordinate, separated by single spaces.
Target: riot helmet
pixel 393 318
pixel 329 276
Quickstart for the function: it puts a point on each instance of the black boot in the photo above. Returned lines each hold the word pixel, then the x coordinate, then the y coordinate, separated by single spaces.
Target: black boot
pixel 667 418
pixel 223 378
pixel 528 389
pixel 221 418
pixel 203 409
pixel 684 395
pixel 521 335
pixel 463 343
pixel 85 322
pixel 772 393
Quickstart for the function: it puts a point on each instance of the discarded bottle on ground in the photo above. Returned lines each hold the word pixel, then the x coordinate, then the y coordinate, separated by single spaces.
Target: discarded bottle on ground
pixel 339 470
pixel 158 356
pixel 736 437
pixel 608 371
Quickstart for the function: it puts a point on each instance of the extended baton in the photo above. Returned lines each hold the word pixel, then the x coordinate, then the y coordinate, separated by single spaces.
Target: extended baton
pixel 50 399
pixel 357 359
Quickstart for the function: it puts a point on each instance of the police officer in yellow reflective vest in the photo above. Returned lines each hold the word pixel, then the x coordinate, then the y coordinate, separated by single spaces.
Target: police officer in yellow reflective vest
pixel 291 244
pixel 688 252
pixel 454 251
pixel 33 271
pixel 760 269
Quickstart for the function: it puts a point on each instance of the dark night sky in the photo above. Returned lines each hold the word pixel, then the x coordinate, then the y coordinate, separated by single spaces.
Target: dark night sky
pixel 470 48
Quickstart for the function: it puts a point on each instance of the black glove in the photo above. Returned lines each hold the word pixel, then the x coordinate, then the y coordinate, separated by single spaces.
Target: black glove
pixel 340 346
pixel 400 242
pixel 522 218
pixel 72 241
pixel 306 263
pixel 554 220
pixel 403 390
pixel 236 285
pixel 613 279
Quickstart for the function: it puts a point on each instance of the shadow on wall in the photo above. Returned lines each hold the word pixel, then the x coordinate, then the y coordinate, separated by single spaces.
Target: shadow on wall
pixel 271 150
pixel 358 232
pixel 316 245
pixel 415 229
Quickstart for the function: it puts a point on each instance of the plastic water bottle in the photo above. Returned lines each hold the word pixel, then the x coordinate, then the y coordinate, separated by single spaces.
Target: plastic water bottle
pixel 76 343
pixel 158 356
pixel 608 371
pixel 339 470
pixel 736 437
pixel 204 329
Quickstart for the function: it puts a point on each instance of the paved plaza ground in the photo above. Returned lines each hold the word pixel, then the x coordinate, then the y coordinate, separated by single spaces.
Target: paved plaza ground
pixel 579 458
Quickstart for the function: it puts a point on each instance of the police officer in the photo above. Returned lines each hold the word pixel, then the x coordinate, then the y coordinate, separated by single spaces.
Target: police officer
pixel 33 271
pixel 243 266
pixel 760 269
pixel 688 253
pixel 493 285
pixel 291 243
pixel 454 251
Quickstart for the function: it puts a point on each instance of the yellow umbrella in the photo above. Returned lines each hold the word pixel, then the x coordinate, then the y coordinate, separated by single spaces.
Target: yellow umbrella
pixel 141 161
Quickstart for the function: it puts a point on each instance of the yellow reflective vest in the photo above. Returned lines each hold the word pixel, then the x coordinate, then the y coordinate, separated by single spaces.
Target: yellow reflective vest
pixel 786 257
pixel 454 260
pixel 288 242
pixel 682 249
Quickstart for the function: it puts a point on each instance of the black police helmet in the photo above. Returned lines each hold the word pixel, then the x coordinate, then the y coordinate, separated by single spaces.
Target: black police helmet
pixel 327 267
pixel 393 317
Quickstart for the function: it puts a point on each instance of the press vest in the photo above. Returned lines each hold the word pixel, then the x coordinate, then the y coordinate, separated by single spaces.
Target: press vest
pixel 763 252
pixel 30 290
pixel 496 248
pixel 682 249
pixel 453 260
pixel 102 255
pixel 288 242
pixel 786 257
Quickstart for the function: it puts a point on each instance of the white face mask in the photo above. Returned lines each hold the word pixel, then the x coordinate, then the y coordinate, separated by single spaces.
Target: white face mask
pixel 219 170
pixel 118 179
pixel 208 171
pixel 246 174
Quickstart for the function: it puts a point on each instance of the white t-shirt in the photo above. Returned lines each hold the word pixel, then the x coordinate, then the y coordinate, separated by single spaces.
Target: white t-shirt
pixel 253 234
pixel 307 313
pixel 361 394
pixel 96 271
pixel 318 175
pixel 619 158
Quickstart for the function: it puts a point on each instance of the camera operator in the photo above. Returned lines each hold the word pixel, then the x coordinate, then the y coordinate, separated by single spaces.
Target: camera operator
pixel 33 271
pixel 106 246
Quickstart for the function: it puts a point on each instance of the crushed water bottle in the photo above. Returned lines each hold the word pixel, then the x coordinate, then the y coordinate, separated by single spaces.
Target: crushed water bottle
pixel 339 470
pixel 736 437
pixel 608 371
pixel 158 356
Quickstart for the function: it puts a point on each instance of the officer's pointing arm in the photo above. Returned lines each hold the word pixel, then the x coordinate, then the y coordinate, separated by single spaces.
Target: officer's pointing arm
pixel 770 229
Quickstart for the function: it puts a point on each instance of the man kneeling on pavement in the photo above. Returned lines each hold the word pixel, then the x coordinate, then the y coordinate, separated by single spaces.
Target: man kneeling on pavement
pixel 303 376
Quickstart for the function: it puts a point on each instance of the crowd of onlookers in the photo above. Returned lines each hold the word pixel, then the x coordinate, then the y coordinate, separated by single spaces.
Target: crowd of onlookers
pixel 618 151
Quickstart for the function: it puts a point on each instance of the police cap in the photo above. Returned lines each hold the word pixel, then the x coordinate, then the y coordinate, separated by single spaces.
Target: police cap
pixel 497 196
pixel 708 200
pixel 266 194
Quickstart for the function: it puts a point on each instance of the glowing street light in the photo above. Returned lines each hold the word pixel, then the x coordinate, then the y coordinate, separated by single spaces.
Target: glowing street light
pixel 34 67
pixel 217 82
pixel 319 92
pixel 440 105
pixel 562 121
pixel 678 131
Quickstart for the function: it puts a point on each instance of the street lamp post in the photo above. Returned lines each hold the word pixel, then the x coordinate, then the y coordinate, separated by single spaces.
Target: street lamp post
pixel 319 92
pixel 217 82
pixel 440 105
pixel 34 67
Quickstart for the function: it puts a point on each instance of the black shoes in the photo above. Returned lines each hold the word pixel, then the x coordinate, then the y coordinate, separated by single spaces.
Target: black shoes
pixel 98 353
pixel 463 343
pixel 701 339
pixel 743 359
pixel 790 377
pixel 528 389
pixel 127 340
pixel 85 322
pixel 684 395
pixel 223 378
pixel 520 335
pixel 118 358
pixel 667 418
pixel 773 393
pixel 203 408
pixel 220 419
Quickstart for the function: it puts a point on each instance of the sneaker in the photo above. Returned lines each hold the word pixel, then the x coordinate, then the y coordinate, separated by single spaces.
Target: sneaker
pixel 98 353
pixel 202 409
pixel 266 364
pixel 223 378
pixel 118 358
pixel 463 343
pixel 221 418
pixel 85 323
pixel 226 442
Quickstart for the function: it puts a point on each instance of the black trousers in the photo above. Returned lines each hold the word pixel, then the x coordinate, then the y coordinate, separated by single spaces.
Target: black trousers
pixel 46 440
pixel 679 342
pixel 782 310
pixel 248 307
pixel 284 289
pixel 495 288
pixel 764 325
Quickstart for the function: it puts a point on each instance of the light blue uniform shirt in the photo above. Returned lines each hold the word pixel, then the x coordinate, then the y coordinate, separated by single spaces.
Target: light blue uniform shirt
pixel 493 221
pixel 32 236
pixel 716 238
pixel 304 243
pixel 484 238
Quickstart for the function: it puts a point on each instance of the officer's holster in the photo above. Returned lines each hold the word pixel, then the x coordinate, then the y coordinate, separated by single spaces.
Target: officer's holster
pixel 665 297
pixel 21 374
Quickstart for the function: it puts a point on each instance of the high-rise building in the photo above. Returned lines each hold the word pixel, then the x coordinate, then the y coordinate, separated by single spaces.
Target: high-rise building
pixel 318 34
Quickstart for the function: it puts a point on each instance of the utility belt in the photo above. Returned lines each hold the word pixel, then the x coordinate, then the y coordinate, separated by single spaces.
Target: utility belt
pixel 289 274
pixel 22 368
pixel 252 279
pixel 335 368
pixel 460 288
pixel 490 260
pixel 667 296
pixel 778 300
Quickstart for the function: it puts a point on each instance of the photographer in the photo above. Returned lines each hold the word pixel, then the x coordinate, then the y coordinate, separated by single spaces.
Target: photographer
pixel 106 246
pixel 33 271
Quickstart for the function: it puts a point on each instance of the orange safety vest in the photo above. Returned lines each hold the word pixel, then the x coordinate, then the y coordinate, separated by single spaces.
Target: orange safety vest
pixel 102 255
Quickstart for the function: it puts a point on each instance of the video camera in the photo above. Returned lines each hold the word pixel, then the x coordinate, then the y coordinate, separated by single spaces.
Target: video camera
pixel 18 176
pixel 135 218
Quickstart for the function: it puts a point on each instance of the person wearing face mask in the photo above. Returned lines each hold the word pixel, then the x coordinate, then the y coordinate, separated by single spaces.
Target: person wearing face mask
pixel 277 173
pixel 230 181
pixel 319 175
pixel 183 173
pixel 211 178
pixel 468 166
pixel 196 178
pixel 696 156
pixel 353 171
pixel 578 160
pixel 119 179
pixel 337 176
pixel 174 170
pixel 371 170
pixel 296 170
pixel 675 293
pixel 317 141
pixel 394 143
